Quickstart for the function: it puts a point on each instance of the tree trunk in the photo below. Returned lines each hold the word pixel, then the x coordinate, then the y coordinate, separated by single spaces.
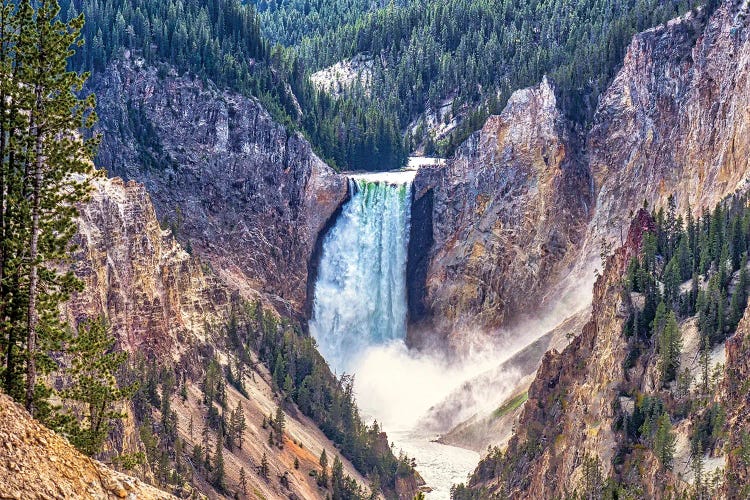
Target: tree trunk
pixel 33 315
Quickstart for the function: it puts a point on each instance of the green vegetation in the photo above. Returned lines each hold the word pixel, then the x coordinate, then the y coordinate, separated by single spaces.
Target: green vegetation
pixel 45 171
pixel 511 405
pixel 289 21
pixel 300 374
pixel 220 40
pixel 473 53
pixel 476 52
pixel 91 391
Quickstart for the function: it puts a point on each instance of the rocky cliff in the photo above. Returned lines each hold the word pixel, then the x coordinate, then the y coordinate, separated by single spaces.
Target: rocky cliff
pixel 675 120
pixel 499 224
pixel 502 216
pixel 569 414
pixel 154 295
pixel 38 464
pixel 239 191
pixel 164 305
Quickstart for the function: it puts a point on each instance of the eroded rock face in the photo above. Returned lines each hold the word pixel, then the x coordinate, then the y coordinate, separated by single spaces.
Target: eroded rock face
pixel 676 118
pixel 505 213
pixel 239 190
pixel 569 414
pixel 735 392
pixel 508 212
pixel 153 294
pixel 36 463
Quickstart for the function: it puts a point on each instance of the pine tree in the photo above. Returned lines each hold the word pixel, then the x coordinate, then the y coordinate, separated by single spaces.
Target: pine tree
pixel 664 442
pixel 323 476
pixel 46 170
pixel 92 391
pixel 263 470
pixel 592 482
pixel 670 348
pixel 240 424
pixel 243 481
pixel 60 166
pixel 697 464
pixel 218 472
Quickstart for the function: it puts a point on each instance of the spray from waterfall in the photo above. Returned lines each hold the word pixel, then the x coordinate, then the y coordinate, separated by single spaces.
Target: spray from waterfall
pixel 359 321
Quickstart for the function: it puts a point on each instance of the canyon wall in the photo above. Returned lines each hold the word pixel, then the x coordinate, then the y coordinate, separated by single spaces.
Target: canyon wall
pixel 505 213
pixel 525 197
pixel 569 411
pixel 153 294
pixel 676 118
pixel 675 121
pixel 163 304
pixel 238 189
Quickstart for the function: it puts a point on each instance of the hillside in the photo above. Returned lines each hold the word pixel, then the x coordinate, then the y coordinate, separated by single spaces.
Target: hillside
pixel 41 464
pixel 456 62
pixel 202 349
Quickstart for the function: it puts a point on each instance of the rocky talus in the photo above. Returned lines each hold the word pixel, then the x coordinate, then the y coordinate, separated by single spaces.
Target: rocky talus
pixel 238 189
pixel 502 216
pixel 36 463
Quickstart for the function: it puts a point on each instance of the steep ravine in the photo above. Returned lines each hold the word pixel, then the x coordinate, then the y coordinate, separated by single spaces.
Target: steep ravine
pixel 162 303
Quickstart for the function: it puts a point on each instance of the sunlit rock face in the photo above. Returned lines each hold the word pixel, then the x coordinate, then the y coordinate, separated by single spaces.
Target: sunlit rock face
pixel 510 212
pixel 239 190
pixel 152 293
pixel 676 118
pixel 506 212
pixel 37 463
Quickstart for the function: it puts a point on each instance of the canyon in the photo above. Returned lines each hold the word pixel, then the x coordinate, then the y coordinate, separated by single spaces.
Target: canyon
pixel 212 206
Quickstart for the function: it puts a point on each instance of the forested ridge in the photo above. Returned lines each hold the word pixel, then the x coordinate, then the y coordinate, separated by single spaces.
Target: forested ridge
pixel 475 53
pixel 220 40
pixel 289 21
pixel 471 54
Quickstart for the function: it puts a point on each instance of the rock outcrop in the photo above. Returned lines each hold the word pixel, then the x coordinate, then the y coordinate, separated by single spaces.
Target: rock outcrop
pixel 36 463
pixel 569 412
pixel 240 191
pixel 505 212
pixel 676 118
pixel 153 294
pixel 737 394
pixel 499 224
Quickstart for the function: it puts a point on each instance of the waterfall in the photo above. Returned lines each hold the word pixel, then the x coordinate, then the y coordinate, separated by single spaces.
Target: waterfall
pixel 360 292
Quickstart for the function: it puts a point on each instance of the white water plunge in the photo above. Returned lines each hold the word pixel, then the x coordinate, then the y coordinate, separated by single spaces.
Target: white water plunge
pixel 359 321
pixel 360 293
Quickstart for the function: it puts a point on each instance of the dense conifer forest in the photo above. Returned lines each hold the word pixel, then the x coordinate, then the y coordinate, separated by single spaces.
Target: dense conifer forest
pixel 474 53
pixel 471 54
pixel 220 40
